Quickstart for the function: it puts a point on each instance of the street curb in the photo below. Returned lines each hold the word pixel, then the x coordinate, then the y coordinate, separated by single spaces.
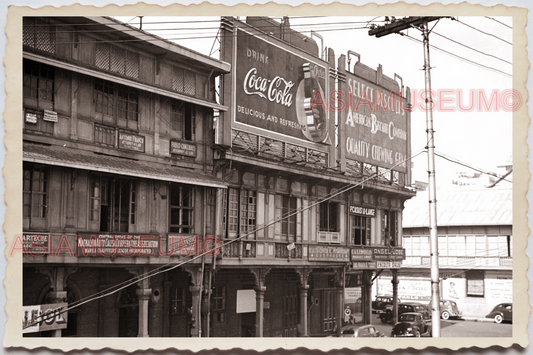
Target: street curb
pixel 488 320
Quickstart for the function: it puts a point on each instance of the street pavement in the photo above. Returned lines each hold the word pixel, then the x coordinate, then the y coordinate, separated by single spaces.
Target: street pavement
pixel 464 328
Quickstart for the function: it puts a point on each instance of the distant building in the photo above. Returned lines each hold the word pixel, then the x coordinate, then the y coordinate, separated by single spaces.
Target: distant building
pixel 475 245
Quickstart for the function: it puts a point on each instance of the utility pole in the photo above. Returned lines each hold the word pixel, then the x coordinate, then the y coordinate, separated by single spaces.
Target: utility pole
pixel 394 27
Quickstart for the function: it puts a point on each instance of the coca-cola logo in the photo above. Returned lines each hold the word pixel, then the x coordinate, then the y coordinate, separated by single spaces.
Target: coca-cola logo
pixel 275 90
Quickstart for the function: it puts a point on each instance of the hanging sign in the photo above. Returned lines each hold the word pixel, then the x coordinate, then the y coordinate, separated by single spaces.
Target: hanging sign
pixel 44 317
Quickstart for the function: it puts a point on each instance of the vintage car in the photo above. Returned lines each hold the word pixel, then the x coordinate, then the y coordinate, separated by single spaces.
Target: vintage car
pixel 379 304
pixel 502 312
pixel 411 324
pixel 404 307
pixel 448 309
pixel 360 331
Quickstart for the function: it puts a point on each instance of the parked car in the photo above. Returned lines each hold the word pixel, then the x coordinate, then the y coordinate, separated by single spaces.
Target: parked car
pixel 448 309
pixel 381 302
pixel 404 307
pixel 411 324
pixel 360 331
pixel 502 312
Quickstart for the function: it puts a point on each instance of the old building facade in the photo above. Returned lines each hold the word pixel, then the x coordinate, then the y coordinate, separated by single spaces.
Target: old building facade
pixel 151 208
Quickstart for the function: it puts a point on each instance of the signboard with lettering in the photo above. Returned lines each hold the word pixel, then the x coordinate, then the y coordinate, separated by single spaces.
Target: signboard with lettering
pixel 31 117
pixel 183 148
pixel 131 141
pixel 364 211
pixel 50 116
pixel 364 265
pixel 44 317
pixel 36 244
pixel 276 87
pixel 361 253
pixel 388 254
pixel 327 253
pixel 376 123
pixel 112 245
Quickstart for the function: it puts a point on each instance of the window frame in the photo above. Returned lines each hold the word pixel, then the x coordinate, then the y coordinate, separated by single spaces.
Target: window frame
pixel 364 227
pixel 38 85
pixel 185 192
pixel 329 216
pixel 35 200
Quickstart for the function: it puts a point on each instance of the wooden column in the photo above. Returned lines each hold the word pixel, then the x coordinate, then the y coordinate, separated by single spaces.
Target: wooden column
pixel 260 288
pixel 304 287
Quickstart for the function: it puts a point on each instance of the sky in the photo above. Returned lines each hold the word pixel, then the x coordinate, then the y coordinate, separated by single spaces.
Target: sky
pixel 470 56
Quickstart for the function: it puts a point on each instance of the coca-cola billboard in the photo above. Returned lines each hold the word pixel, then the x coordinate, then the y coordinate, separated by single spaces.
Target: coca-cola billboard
pixel 276 88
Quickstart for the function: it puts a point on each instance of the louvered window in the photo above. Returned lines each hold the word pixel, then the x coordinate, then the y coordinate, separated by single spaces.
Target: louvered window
pixel 117 59
pixel 39 34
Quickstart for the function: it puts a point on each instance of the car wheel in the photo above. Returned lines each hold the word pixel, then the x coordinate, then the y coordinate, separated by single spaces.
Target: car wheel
pixel 445 315
pixel 498 318
pixel 417 334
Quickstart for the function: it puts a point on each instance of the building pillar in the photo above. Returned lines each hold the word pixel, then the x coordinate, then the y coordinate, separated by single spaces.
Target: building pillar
pixel 58 282
pixel 394 296
pixel 166 308
pixel 260 288
pixel 367 289
pixel 259 315
pixel 303 310
pixel 304 287
pixel 196 291
pixel 196 331
pixel 143 294
pixel 101 312
pixel 339 284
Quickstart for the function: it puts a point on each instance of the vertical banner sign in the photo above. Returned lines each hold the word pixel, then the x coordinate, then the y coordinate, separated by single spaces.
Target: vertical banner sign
pixel 280 89
pixel 376 124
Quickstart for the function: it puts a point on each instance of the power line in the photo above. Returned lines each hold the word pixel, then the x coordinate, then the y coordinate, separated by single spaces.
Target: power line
pixel 478 51
pixel 488 34
pixel 493 19
pixel 459 57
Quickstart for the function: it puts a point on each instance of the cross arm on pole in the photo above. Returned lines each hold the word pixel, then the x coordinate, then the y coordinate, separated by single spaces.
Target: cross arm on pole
pixel 400 25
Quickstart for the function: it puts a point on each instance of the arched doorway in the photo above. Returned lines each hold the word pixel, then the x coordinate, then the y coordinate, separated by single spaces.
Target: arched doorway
pixel 128 312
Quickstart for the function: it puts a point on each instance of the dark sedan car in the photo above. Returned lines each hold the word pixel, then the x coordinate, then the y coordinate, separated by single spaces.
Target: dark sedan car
pixel 404 307
pixel 379 304
pixel 448 309
pixel 502 312
pixel 411 324
pixel 360 331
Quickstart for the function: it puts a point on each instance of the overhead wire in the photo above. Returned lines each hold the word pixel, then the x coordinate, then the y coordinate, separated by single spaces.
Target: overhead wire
pixel 501 23
pixel 459 57
pixel 486 33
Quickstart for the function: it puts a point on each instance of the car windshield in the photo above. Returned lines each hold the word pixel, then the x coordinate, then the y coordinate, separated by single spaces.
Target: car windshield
pixel 407 317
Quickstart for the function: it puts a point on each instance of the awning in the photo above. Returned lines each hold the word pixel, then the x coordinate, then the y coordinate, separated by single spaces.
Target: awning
pixel 86 160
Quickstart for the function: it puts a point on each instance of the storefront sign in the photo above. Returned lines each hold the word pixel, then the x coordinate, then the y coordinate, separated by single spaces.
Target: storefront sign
pixel 31 117
pixel 130 141
pixel 326 253
pixel 376 124
pixel 360 265
pixel 182 148
pixel 388 264
pixel 50 116
pixel 111 245
pixel 385 253
pixel 44 317
pixel 364 211
pixel 36 244
pixel 361 253
pixel 275 87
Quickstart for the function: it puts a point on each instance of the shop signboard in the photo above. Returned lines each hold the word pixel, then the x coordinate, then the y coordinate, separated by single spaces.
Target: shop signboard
pixel 50 116
pixel 183 148
pixel 363 211
pixel 388 253
pixel 275 86
pixel 361 253
pixel 131 141
pixel 327 253
pixel 376 124
pixel 364 265
pixel 40 318
pixel 36 244
pixel 113 245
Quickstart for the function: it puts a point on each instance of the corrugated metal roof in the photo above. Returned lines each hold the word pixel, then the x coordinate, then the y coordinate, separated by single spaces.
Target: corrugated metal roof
pixel 462 207
pixel 86 160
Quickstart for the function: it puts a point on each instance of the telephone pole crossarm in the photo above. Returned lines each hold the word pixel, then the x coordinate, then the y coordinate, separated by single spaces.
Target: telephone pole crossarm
pixel 399 25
